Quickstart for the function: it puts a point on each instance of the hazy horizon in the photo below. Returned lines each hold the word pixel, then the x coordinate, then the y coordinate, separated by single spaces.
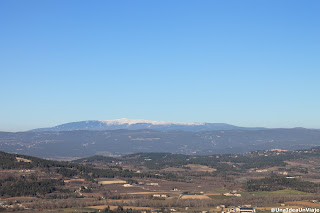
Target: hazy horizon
pixel 177 122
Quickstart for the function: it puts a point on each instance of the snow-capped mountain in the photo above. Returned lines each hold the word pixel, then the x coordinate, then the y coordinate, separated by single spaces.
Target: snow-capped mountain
pixel 135 124
pixel 126 121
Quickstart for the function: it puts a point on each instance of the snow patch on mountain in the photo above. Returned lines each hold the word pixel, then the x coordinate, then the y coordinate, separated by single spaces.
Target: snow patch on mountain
pixel 123 121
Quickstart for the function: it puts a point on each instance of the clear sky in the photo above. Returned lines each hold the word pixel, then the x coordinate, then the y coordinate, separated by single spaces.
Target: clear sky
pixel 247 63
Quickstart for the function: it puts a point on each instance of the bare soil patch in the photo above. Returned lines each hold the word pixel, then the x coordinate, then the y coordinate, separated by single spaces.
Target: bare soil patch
pixel 200 168
pixel 74 180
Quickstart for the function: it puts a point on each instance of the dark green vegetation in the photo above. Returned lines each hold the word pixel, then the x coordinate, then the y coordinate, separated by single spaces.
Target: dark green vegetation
pixel 120 209
pixel 27 186
pixel 96 158
pixel 31 185
pixel 66 169
pixel 275 183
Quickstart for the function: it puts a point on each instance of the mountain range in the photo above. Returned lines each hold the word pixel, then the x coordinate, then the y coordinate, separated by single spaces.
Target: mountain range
pixel 125 136
pixel 82 143
pixel 136 124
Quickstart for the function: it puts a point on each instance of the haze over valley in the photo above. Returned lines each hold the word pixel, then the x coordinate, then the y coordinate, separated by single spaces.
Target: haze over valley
pixel 125 136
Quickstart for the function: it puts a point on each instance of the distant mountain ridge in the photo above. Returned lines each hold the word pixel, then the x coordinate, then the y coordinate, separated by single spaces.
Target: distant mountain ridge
pixel 82 143
pixel 136 124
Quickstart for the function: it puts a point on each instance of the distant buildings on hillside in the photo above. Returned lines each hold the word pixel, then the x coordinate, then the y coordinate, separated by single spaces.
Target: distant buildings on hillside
pixel 241 209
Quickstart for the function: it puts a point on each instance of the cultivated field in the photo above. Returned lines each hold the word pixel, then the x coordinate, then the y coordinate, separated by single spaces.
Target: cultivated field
pixel 201 197
pixel 200 168
pixel 112 181
pixel 74 180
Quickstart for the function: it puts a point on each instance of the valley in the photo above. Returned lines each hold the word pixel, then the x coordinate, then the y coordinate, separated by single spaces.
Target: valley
pixel 161 182
pixel 74 144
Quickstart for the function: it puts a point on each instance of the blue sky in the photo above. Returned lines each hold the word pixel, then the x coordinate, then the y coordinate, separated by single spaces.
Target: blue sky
pixel 247 63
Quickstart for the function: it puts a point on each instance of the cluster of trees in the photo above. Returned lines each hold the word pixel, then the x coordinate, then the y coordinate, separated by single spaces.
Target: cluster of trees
pixel 96 158
pixel 275 183
pixel 60 203
pixel 120 209
pixel 85 189
pixel 220 162
pixel 9 161
pixel 22 186
pixel 91 173
pixel 67 169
